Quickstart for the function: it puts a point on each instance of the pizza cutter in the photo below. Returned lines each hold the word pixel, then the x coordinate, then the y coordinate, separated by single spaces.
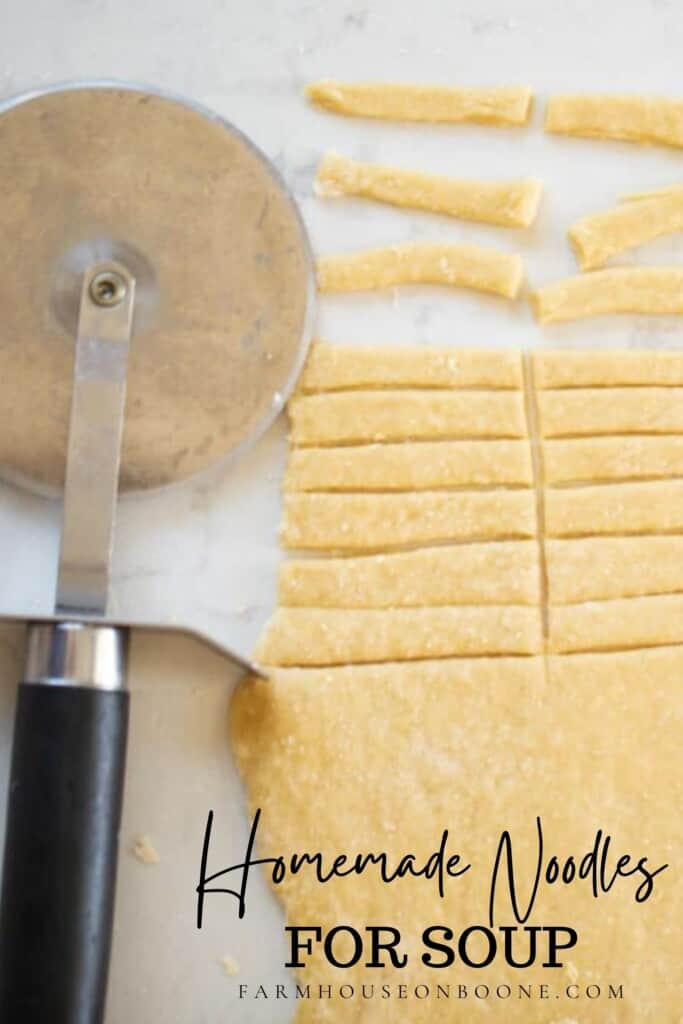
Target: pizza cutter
pixel 157 295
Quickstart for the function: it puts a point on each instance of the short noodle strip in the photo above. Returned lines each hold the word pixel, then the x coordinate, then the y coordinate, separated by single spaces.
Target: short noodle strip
pixel 504 573
pixel 429 465
pixel 602 568
pixel 608 369
pixel 620 624
pixel 632 118
pixel 584 460
pixel 507 203
pixel 342 367
pixel 620 290
pixel 615 509
pixel 312 636
pixel 603 235
pixel 362 416
pixel 653 193
pixel 357 522
pixel 395 101
pixel 611 411
pixel 457 265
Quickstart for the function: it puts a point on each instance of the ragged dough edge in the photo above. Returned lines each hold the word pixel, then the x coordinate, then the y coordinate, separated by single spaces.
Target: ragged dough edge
pixel 506 105
pixel 604 116
pixel 376 522
pixel 564 369
pixel 503 573
pixel 455 265
pixel 601 510
pixel 605 568
pixel 505 203
pixel 604 411
pixel 344 367
pixel 617 624
pixel 595 459
pixel 656 290
pixel 598 237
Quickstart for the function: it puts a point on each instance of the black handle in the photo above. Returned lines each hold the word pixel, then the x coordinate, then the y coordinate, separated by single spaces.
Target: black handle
pixel 63 816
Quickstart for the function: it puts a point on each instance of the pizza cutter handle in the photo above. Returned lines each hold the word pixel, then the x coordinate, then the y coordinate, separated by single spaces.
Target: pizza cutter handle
pixel 63 816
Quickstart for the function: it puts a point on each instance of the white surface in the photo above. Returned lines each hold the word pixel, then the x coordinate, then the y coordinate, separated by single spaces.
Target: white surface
pixel 209 553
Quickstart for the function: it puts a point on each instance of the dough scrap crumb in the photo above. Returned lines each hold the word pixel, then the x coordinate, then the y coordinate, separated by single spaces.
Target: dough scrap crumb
pixel 230 966
pixel 144 851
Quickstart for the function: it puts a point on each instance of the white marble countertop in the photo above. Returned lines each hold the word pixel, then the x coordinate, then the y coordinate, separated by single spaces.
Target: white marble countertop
pixel 208 553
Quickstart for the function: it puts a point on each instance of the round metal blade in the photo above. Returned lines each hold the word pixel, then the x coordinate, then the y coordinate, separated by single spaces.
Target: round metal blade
pixel 224 278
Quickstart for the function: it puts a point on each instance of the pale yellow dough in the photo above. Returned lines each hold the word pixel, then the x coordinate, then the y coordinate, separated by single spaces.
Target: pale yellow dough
pixel 601 568
pixel 374 522
pixel 454 264
pixel 602 235
pixel 362 416
pixel 585 460
pixel 607 369
pixel 615 508
pixel 611 625
pixel 620 290
pixel 502 573
pixel 333 636
pixel 342 367
pixel 632 118
pixel 508 203
pixel 395 101
pixel 409 467
pixel 611 411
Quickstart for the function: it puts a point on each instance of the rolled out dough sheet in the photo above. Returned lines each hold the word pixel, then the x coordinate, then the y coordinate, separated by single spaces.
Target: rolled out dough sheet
pixel 607 369
pixel 600 568
pixel 340 367
pixel 611 411
pixel 394 101
pixel 612 458
pixel 652 507
pixel 501 573
pixel 405 467
pixel 600 236
pixel 619 290
pixel 619 624
pixel 383 758
pixel 357 522
pixel 604 116
pixel 333 636
pixel 452 264
pixel 361 416
pixel 507 203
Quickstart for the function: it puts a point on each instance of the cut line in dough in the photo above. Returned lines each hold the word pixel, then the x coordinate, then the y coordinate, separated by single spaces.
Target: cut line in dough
pixel 395 101
pixel 605 116
pixel 603 568
pixel 657 290
pixel 455 265
pixel 598 237
pixel 595 459
pixel 608 369
pixel 617 625
pixel 429 465
pixel 503 573
pixel 506 203
pixel 349 417
pixel 357 522
pixel 345 367
pixel 597 411
pixel 639 508
pixel 314 636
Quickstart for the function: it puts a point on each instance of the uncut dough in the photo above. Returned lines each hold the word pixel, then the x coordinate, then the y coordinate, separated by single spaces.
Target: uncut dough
pixel 507 203
pixel 598 237
pixel 580 460
pixel 333 636
pixel 353 416
pixel 621 290
pixel 394 101
pixel 601 568
pixel 611 411
pixel 340 367
pixel 458 265
pixel 615 508
pixel 632 118
pixel 383 758
pixel 502 573
pixel 356 522
pixel 406 467
pixel 610 625
pixel 607 369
